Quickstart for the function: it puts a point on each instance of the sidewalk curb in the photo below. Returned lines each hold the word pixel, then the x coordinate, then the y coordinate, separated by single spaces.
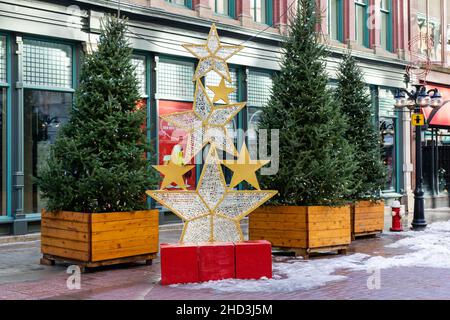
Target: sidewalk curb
pixel 21 238
pixel 37 236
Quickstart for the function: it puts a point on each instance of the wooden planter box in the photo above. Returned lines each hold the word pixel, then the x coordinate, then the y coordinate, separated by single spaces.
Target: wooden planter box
pixel 367 218
pixel 96 239
pixel 302 229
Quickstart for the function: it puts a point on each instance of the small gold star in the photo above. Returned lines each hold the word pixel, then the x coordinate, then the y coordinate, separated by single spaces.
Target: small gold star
pixel 244 169
pixel 221 92
pixel 173 173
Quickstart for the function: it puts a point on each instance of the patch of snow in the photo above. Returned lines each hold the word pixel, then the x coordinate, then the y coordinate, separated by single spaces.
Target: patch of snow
pixel 429 248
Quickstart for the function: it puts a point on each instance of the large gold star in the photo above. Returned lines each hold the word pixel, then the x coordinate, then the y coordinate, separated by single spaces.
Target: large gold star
pixel 244 168
pixel 173 173
pixel 212 55
pixel 212 212
pixel 221 92
pixel 205 123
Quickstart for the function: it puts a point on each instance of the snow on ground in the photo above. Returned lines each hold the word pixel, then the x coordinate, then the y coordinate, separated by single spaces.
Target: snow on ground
pixel 429 248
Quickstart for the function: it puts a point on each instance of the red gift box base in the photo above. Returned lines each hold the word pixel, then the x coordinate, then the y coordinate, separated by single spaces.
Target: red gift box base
pixel 190 263
pixel 253 259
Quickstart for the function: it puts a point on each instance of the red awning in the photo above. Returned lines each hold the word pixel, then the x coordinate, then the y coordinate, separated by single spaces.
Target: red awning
pixel 439 118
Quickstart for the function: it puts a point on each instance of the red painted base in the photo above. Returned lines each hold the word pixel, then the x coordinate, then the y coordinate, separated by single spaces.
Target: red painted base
pixel 253 259
pixel 186 263
pixel 179 263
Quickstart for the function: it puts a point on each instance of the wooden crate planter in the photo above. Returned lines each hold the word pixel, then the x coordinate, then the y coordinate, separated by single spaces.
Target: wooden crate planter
pixel 367 218
pixel 97 239
pixel 303 230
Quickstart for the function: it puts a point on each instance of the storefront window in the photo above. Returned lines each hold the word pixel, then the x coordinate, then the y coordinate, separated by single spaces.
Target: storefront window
pixel 48 83
pixel 387 131
pixel 2 59
pixel 361 22
pixel 3 101
pixel 388 137
pixel 139 63
pixel 259 86
pixel 174 80
pixel 45 113
pixel 47 64
pixel 175 93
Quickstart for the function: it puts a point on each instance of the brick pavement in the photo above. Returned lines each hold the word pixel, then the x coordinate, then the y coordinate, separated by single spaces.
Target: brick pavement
pixel 21 277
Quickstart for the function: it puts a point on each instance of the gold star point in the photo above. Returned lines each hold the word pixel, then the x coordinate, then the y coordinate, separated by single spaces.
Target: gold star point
pixel 221 92
pixel 244 168
pixel 173 173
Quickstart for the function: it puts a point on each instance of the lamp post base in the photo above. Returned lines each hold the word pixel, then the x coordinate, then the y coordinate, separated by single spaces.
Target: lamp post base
pixel 418 225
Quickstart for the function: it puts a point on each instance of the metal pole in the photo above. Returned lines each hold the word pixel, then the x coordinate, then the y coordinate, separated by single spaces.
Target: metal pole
pixel 419 207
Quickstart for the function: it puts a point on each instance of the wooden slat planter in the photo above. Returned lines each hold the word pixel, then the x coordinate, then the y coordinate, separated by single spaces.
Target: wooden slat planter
pixel 303 230
pixel 94 239
pixel 367 218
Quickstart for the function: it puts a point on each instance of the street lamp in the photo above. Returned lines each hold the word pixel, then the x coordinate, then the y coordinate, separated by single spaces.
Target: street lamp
pixel 415 100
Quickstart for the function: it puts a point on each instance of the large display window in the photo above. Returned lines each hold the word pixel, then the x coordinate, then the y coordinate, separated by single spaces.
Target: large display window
pixel 172 141
pixel 47 100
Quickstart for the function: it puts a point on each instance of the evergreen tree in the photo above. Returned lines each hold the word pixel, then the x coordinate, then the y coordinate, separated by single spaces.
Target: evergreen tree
pixel 97 163
pixel 316 162
pixel 356 103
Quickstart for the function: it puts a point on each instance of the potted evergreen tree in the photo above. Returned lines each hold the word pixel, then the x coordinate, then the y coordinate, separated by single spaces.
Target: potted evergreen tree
pixel 355 100
pixel 316 163
pixel 97 173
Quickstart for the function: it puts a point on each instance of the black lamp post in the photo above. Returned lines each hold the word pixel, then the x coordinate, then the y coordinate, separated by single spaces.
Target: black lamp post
pixel 415 100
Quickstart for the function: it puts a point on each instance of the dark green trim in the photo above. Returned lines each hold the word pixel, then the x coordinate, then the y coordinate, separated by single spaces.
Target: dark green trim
pixel 269 12
pixel 8 214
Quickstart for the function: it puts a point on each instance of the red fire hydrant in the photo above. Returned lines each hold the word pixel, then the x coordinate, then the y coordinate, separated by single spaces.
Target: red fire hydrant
pixel 396 216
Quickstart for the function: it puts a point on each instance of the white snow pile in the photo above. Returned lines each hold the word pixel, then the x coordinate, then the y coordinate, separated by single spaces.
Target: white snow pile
pixel 429 248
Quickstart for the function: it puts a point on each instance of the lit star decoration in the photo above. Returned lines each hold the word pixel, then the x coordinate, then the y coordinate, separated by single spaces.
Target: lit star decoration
pixel 206 123
pixel 173 173
pixel 212 212
pixel 212 55
pixel 244 168
pixel 221 92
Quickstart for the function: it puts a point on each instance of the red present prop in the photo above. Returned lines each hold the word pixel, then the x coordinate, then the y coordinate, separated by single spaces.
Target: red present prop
pixel 253 259
pixel 179 263
pixel 216 261
pixel 185 263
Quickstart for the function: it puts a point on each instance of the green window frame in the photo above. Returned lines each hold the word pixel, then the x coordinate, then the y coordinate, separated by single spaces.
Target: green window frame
pixel 5 81
pixel 50 78
pixel 390 117
pixel 267 17
pixel 183 3
pixel 386 25
pixel 228 5
pixel 361 28
pixel 335 18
